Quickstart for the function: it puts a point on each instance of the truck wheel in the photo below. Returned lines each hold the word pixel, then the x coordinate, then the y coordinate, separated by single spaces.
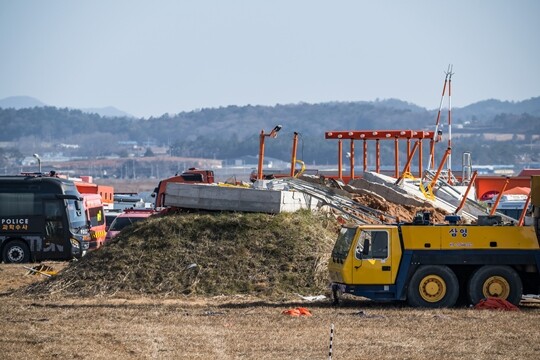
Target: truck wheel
pixel 495 281
pixel 433 286
pixel 16 251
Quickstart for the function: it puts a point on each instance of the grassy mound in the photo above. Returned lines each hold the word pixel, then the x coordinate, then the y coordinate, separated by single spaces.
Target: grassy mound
pixel 207 254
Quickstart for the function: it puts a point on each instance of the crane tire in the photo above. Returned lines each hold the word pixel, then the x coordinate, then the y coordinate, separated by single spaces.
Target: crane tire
pixel 499 281
pixel 433 286
pixel 16 251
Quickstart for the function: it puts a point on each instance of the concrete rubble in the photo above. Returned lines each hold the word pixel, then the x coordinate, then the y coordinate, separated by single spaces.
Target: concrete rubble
pixel 373 189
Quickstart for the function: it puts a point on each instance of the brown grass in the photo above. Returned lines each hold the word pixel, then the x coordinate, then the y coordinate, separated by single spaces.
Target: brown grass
pixel 243 328
pixel 125 301
pixel 209 254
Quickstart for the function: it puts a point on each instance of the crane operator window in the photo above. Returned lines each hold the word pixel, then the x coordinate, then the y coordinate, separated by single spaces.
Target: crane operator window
pixel 372 244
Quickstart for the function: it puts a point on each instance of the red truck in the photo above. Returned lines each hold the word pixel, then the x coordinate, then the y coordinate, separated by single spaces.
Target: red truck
pixel 96 199
pixel 192 175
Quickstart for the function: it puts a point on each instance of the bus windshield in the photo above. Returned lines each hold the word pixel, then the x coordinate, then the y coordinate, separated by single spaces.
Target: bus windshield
pixel 76 215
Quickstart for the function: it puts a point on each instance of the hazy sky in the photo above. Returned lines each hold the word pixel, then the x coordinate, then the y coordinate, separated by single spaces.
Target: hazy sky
pixel 153 57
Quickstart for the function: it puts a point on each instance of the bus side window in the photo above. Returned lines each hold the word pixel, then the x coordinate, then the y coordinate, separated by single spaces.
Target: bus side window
pixel 53 217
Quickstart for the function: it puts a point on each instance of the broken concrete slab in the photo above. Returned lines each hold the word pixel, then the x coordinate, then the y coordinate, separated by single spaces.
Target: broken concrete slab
pixel 387 190
pixel 220 198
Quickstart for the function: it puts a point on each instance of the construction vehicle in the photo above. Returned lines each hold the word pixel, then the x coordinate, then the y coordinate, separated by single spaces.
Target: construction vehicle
pixel 86 186
pixel 95 213
pixel 192 175
pixel 434 265
pixel 96 198
pixel 126 218
pixel 41 218
pixel 123 201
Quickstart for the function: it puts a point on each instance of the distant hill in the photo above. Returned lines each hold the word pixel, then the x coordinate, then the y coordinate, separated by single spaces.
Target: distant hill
pixel 397 104
pixel 480 111
pixel 28 102
pixel 488 109
pixel 232 132
pixel 20 102
pixel 108 111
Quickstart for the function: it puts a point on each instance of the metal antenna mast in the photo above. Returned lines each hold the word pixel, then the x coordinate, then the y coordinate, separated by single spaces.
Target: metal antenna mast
pixel 437 135
pixel 449 74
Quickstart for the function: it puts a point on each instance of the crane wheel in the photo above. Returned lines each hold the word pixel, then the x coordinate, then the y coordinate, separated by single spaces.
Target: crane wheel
pixel 498 281
pixel 433 286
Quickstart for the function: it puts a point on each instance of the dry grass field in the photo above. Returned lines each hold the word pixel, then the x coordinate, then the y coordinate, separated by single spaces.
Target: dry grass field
pixel 128 300
pixel 244 327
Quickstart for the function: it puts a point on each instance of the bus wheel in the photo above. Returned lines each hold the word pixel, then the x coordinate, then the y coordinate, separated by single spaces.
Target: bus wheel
pixel 433 286
pixel 495 281
pixel 16 251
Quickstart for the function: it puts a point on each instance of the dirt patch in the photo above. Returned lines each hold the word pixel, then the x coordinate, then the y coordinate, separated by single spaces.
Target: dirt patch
pixel 16 276
pixel 396 212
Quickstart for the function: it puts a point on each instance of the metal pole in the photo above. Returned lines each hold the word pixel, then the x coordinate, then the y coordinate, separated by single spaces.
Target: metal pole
pixel 436 177
pixel 377 156
pixel 365 155
pixel 340 159
pixel 409 159
pixel 272 134
pixel 293 157
pixel 408 169
pixel 420 170
pixel 396 158
pixel 261 156
pixel 331 341
pixel 524 211
pixel 494 207
pixel 462 203
pixel 39 161
pixel 352 160
pixel 435 134
pixel 449 163
pixel 431 162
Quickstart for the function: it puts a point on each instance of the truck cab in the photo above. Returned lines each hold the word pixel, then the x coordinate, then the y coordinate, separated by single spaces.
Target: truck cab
pixel 96 219
pixel 192 176
pixel 373 249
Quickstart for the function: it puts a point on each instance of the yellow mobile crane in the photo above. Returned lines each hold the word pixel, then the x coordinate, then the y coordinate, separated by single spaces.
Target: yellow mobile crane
pixel 431 265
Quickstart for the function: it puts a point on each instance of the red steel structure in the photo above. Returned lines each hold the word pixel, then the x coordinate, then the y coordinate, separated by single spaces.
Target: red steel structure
pixel 377 136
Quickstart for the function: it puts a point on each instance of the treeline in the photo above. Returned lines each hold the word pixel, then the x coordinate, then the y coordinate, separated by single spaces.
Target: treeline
pixel 233 131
